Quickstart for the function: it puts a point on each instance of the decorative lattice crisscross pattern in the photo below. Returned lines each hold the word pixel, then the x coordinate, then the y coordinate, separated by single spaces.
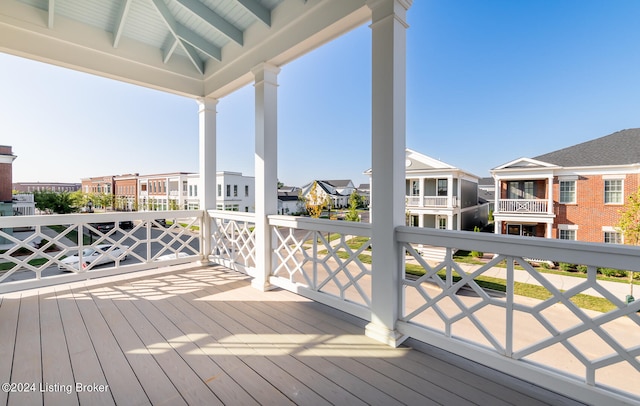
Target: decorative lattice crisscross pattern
pixel 335 263
pixel 506 304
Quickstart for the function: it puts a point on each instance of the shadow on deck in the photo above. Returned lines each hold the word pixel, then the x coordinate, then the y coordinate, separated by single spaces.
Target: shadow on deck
pixel 202 336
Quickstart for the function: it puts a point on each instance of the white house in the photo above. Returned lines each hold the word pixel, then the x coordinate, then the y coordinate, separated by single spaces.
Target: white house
pixel 181 190
pixel 337 190
pixel 439 195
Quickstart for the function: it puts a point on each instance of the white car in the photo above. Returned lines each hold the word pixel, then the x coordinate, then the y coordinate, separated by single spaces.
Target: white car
pixel 94 255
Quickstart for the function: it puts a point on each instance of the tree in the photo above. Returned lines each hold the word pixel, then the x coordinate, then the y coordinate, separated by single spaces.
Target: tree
pixel 315 203
pixel 629 226
pixel 629 222
pixel 52 202
pixel 352 212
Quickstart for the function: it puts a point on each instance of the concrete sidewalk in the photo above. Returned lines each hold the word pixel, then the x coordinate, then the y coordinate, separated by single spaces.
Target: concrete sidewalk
pixel 562 282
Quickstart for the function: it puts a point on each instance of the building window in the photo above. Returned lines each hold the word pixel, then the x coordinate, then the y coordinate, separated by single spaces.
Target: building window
pixel 195 190
pixel 567 234
pixel 246 190
pixel 228 190
pixel 184 187
pixel 235 190
pixel 613 191
pixel 567 191
pixel 442 223
pixel 612 237
pixel 442 187
pixel 190 190
pixel 219 190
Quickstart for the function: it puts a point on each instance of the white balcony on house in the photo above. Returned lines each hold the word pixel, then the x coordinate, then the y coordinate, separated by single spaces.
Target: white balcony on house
pixel 523 205
pixel 431 201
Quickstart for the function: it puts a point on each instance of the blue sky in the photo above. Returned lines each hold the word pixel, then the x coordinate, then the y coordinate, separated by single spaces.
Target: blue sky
pixel 487 82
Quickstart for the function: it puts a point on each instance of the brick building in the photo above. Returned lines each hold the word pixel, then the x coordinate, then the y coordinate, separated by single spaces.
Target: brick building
pixel 30 187
pixel 575 193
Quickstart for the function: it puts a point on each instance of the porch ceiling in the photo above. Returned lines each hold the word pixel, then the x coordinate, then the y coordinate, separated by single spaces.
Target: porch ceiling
pixel 193 48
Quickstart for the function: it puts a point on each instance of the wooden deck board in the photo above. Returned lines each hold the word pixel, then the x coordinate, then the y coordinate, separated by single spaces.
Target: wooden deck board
pixel 57 375
pixel 204 336
pixel 9 310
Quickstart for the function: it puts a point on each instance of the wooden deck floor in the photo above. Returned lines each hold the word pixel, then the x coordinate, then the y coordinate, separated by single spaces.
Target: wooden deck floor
pixel 203 336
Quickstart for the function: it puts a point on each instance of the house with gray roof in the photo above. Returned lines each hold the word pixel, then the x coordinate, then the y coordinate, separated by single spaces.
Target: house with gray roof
pixel 439 195
pixel 574 193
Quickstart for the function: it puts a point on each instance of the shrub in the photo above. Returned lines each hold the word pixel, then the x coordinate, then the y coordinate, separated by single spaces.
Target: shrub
pixel 477 254
pixel 612 272
pixel 564 266
pixel 581 268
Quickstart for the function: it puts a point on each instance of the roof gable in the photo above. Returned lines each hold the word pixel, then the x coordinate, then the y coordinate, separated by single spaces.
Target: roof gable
pixel 524 163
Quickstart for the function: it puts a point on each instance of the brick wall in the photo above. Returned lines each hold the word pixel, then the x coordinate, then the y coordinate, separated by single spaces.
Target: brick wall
pixel 590 213
pixel 6 176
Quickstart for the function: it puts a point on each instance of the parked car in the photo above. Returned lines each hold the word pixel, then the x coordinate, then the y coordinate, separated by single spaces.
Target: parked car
pixel 159 223
pixel 94 255
pixel 104 227
pixel 126 225
pixel 174 255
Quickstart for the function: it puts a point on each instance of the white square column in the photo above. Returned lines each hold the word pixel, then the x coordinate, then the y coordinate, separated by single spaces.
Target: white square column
pixel 207 168
pixel 388 29
pixel 266 168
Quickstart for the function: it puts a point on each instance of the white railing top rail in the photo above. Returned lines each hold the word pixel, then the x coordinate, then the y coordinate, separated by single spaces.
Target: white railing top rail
pixel 597 254
pixel 232 215
pixel 324 225
pixel 55 219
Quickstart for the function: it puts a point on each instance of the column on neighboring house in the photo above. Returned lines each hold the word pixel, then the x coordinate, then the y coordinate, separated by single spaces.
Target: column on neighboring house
pixel 459 195
pixel 388 127
pixel 421 186
pixel 497 225
pixel 550 195
pixel 549 231
pixel 449 193
pixel 266 168
pixel 207 168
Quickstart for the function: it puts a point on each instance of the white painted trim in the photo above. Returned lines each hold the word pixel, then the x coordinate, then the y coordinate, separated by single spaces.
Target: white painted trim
pixel 567 226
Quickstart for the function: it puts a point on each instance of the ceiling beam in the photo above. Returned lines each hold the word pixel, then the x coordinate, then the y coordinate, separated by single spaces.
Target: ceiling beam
pixel 119 28
pixel 214 20
pixel 189 40
pixel 51 13
pixel 261 13
pixel 169 51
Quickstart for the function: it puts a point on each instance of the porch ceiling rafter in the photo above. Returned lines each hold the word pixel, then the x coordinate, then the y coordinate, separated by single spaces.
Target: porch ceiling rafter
pixel 122 18
pixel 214 20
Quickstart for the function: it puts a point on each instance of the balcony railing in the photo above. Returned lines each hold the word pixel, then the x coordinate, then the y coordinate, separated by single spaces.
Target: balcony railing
pixel 522 206
pixel 65 248
pixel 482 312
pixel 431 201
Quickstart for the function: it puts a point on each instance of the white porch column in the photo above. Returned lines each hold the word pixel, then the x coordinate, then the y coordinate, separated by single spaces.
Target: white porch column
pixel 207 167
pixel 388 29
pixel 450 192
pixel 550 195
pixel 266 167
pixel 549 231
pixel 497 227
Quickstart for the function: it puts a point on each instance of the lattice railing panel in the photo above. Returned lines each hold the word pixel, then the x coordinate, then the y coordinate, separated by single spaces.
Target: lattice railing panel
pixel 324 257
pixel 507 304
pixel 42 247
pixel 233 240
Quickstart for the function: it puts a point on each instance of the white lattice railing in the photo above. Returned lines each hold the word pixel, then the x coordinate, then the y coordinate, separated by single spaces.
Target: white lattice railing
pixel 100 244
pixel 522 205
pixel 328 261
pixel 233 240
pixel 554 335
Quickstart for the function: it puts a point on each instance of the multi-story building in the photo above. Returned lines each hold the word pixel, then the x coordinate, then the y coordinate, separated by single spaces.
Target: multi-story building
pixel 6 180
pixel 125 192
pixel 439 195
pixel 30 187
pixel 235 192
pixel 575 193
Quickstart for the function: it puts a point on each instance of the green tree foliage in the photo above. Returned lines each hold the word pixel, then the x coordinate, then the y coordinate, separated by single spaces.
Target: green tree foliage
pixel 629 222
pixel 352 212
pixel 52 202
